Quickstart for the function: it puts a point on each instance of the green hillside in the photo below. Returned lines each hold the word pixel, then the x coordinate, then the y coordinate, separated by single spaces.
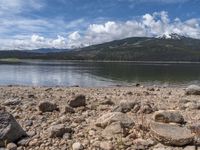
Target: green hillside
pixel 130 49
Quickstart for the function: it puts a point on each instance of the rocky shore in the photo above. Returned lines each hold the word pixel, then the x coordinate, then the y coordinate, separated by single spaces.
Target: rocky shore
pixel 114 118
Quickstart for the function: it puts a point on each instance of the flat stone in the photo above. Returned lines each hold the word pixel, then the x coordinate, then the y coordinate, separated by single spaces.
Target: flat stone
pixel 171 134
pixel 190 148
pixel 142 144
pixel 58 130
pixel 111 117
pixel 10 130
pixel 113 130
pixel 168 116
pixel 78 101
pixel 12 102
pixel 193 90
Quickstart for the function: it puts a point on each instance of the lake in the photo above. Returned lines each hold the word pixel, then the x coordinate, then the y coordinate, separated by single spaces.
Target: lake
pixel 96 74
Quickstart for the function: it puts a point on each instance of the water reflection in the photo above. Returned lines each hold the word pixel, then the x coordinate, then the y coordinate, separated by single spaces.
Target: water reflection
pixel 60 73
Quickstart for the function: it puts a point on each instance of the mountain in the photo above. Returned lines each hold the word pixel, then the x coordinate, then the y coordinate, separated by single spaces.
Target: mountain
pixel 48 50
pixel 173 36
pixel 176 48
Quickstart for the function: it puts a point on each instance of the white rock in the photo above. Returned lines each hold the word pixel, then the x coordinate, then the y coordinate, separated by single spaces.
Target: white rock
pixel 11 146
pixel 77 146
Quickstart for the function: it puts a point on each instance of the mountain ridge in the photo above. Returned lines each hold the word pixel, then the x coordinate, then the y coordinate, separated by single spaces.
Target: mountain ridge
pixel 177 48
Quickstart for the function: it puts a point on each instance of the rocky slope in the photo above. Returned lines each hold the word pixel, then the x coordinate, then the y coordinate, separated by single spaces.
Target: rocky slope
pixel 115 118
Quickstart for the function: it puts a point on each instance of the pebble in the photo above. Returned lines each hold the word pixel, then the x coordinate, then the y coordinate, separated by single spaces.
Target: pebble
pixel 11 146
pixel 77 146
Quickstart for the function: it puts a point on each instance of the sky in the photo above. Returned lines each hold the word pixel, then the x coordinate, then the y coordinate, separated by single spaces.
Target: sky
pixel 34 24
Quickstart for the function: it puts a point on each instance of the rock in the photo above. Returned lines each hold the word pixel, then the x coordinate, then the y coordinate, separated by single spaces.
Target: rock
pixel 31 96
pixel 58 130
pixel 151 89
pixel 28 123
pixel 195 128
pixel 191 106
pixel 48 89
pixel 134 106
pixel 10 130
pixel 124 106
pixel 190 148
pixel 11 146
pixel 168 116
pixel 12 102
pixel 171 134
pixel 77 146
pixel 142 144
pixel 160 146
pixel 147 108
pixel 24 142
pixel 79 101
pixel 113 130
pixel 68 109
pixel 67 136
pixel 193 90
pixel 137 85
pixel 111 117
pixel 46 106
pixel 31 133
pixel 34 142
pixel 105 145
pixel 107 102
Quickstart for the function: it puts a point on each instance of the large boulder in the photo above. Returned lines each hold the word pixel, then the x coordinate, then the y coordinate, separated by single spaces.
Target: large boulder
pixel 111 117
pixel 168 116
pixel 172 135
pixel 10 130
pixel 78 101
pixel 46 106
pixel 193 90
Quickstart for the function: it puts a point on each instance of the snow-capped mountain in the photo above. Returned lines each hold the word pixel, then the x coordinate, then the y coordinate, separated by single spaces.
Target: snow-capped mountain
pixel 173 36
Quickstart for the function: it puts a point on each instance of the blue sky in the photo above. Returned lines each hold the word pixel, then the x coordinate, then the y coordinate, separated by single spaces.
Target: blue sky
pixel 32 24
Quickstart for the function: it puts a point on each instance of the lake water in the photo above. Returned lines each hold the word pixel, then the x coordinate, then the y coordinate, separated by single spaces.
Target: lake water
pixel 96 74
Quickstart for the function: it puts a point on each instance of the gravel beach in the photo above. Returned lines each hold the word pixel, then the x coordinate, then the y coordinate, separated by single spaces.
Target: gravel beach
pixel 112 118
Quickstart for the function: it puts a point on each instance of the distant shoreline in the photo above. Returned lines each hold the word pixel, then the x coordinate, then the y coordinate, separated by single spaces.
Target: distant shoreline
pixel 109 61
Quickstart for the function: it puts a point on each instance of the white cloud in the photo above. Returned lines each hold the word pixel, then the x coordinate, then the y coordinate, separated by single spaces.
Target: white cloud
pixel 36 38
pixel 74 36
pixel 13 7
pixel 60 42
pixel 147 25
